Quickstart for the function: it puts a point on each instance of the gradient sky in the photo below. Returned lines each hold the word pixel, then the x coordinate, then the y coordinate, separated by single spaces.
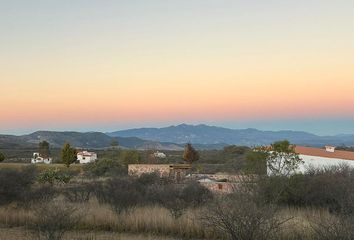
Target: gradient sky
pixel 106 65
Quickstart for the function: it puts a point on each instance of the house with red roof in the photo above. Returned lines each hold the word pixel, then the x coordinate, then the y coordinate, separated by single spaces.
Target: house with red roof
pixel 323 157
pixel 86 157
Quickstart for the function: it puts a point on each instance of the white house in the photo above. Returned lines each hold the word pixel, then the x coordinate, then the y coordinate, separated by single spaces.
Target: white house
pixel 86 157
pixel 319 158
pixel 158 154
pixel 38 159
pixel 323 157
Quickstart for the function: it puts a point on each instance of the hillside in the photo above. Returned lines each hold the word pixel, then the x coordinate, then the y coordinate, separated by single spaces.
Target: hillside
pixel 80 140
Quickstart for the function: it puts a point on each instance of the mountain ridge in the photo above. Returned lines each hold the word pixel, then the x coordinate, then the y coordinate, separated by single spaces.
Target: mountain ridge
pixel 205 134
pixel 173 138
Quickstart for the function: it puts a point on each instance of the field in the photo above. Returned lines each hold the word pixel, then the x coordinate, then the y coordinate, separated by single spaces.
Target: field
pixel 100 222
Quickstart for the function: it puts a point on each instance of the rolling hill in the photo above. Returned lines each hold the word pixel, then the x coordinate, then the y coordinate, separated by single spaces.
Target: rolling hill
pixel 80 140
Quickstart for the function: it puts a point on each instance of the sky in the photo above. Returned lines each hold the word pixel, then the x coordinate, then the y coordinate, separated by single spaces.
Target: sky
pixel 90 65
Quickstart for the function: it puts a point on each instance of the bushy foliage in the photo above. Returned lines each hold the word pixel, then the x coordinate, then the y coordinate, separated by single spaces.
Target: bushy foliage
pixel 256 163
pixel 54 176
pixel 282 160
pixel 190 155
pixel 333 227
pixel 53 219
pixel 68 154
pixel 119 193
pixel 38 194
pixel 125 193
pixel 331 188
pixel 78 193
pixel 15 184
pixel 43 149
pixel 104 167
pixel 130 157
pixel 243 215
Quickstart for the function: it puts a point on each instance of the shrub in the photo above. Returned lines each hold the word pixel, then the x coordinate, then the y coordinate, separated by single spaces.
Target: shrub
pixel 104 167
pixel 334 227
pixel 119 193
pixel 40 194
pixel 53 219
pixel 54 176
pixel 242 216
pixel 15 184
pixel 195 194
pixel 80 193
pixel 170 197
pixel 327 188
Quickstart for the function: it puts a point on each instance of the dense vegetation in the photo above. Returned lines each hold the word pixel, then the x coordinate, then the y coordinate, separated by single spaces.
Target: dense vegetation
pixel 51 202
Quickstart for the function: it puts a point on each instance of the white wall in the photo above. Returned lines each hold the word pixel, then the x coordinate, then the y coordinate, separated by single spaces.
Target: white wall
pixel 86 159
pixel 320 162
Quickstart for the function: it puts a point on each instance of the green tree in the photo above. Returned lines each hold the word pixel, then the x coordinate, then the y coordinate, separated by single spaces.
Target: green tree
pixel 43 149
pixel 282 160
pixel 190 155
pixel 130 157
pixel 256 163
pixel 68 154
pixel 2 157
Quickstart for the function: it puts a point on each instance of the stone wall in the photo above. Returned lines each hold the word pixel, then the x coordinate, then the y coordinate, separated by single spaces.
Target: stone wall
pixel 163 170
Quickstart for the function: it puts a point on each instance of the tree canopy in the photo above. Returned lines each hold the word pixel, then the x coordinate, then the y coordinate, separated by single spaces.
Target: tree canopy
pixel 68 154
pixel 190 155
pixel 43 149
pixel 282 160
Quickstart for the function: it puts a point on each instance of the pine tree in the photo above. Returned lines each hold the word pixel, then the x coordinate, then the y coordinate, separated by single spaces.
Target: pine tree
pixel 68 154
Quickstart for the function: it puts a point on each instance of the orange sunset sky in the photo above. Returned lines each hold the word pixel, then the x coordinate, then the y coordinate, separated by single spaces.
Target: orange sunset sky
pixel 107 65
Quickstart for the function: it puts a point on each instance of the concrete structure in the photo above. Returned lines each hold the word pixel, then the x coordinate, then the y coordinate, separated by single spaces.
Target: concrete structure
pixel 38 159
pixel 86 157
pixel 174 171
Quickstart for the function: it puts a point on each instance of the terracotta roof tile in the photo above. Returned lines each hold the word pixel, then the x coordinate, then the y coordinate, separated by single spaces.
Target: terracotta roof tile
pixel 319 152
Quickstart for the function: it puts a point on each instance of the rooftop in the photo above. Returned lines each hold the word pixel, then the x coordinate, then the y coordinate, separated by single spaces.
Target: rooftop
pixel 328 152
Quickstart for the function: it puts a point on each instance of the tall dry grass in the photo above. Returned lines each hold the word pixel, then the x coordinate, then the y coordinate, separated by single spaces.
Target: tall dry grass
pixel 98 217
pixel 23 234
pixel 157 220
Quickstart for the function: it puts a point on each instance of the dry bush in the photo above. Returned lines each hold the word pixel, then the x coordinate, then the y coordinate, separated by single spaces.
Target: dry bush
pixel 241 216
pixel 333 227
pixel 51 220
pixel 14 184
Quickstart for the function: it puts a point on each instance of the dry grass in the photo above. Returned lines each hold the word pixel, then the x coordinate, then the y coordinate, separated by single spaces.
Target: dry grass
pixel 99 219
pixel 154 220
pixel 23 234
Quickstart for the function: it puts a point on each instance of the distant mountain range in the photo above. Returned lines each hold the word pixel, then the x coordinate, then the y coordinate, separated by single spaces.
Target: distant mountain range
pixel 211 135
pixel 173 138
pixel 80 140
